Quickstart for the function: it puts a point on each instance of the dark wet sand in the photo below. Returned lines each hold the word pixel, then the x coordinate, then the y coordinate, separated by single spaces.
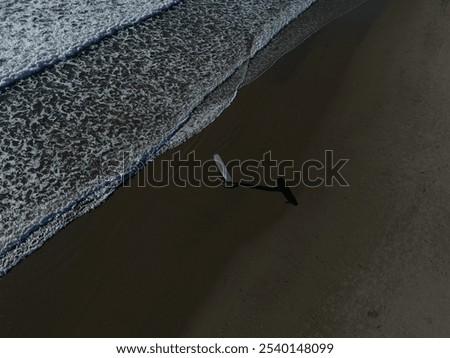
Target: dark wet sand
pixel 369 260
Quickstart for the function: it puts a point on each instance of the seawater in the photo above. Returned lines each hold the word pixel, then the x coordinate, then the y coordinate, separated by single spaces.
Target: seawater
pixel 141 90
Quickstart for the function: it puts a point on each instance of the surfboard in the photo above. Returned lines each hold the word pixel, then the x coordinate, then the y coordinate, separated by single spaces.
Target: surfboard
pixel 222 168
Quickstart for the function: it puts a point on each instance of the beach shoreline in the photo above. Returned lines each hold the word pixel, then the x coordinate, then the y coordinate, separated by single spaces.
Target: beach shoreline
pixel 369 260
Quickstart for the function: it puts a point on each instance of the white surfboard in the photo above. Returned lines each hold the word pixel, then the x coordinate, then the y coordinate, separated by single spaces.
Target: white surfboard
pixel 222 168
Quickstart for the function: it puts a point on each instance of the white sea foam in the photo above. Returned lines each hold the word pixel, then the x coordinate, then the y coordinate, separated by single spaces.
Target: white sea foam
pixel 37 33
pixel 139 92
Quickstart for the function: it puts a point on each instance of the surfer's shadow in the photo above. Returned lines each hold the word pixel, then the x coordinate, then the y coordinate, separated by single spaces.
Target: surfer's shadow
pixel 281 187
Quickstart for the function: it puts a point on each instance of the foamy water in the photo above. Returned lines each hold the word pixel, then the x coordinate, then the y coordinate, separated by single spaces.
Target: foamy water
pixel 64 131
pixel 38 33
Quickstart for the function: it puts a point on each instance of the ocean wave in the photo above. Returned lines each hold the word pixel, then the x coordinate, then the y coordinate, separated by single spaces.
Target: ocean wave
pixel 37 34
pixel 149 87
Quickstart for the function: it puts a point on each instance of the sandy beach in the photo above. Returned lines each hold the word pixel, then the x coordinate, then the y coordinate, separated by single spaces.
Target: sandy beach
pixel 369 260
